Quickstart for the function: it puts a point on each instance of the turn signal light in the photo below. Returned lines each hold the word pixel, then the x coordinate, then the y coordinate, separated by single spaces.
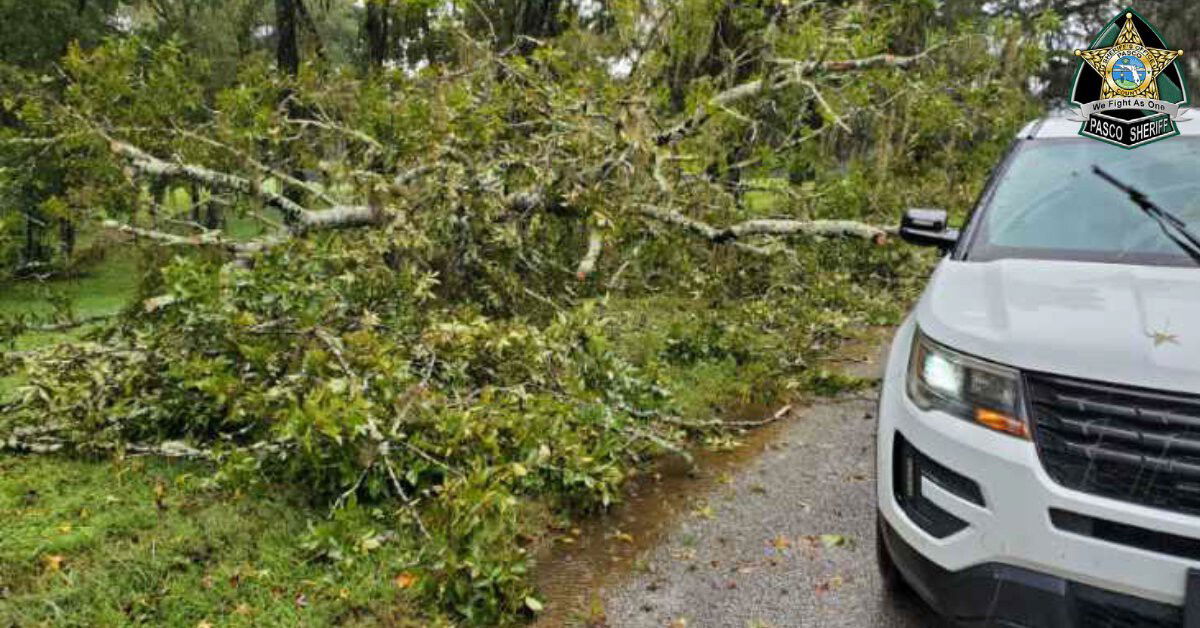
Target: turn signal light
pixel 1001 423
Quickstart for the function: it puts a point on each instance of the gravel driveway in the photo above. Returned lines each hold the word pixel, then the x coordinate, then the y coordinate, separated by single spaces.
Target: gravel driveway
pixel 790 541
pixel 787 540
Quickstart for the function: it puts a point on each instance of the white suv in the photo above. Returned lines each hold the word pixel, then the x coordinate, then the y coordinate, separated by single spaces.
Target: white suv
pixel 1039 423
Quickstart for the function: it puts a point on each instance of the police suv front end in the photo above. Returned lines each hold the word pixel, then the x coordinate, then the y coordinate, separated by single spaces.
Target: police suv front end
pixel 1038 448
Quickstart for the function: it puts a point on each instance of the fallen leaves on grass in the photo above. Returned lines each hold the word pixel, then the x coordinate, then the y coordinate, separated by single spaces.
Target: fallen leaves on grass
pixel 405 580
pixel 160 493
pixel 54 562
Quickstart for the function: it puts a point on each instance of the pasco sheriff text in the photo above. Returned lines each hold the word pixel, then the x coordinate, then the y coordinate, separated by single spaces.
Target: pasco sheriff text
pixel 1126 132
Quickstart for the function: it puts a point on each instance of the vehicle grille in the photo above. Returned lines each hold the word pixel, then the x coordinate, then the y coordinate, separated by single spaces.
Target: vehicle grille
pixel 1135 445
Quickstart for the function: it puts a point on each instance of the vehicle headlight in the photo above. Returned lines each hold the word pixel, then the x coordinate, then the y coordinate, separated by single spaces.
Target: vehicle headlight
pixel 969 388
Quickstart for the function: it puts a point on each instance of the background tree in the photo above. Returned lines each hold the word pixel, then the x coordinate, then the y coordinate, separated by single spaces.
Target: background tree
pixel 287 46
pixel 377 29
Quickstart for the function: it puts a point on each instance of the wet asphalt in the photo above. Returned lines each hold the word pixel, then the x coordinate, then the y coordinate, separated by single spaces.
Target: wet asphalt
pixel 787 540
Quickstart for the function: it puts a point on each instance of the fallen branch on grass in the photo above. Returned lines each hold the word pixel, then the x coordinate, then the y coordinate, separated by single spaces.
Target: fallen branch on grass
pixel 72 324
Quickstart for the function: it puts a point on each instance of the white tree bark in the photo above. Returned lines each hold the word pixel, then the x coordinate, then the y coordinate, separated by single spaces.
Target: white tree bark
pixel 335 217
pixel 826 228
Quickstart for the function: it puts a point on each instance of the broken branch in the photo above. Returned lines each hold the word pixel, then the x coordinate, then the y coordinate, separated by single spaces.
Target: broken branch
pixel 588 264
pixel 334 217
pixel 829 228
pixel 798 70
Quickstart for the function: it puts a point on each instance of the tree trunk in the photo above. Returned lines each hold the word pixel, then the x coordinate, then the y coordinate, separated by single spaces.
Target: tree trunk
pixel 287 50
pixel 33 239
pixel 66 239
pixel 160 192
pixel 194 197
pixel 377 32
pixel 212 216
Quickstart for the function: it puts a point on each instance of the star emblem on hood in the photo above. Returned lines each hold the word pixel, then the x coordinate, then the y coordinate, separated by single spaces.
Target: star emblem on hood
pixel 1162 337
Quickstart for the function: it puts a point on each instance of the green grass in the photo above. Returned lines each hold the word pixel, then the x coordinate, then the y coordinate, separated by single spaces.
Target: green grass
pixel 91 544
pixel 680 340
pixel 7 386
pixel 102 289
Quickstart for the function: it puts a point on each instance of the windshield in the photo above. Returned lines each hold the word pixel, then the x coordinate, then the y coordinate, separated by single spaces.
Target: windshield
pixel 1048 204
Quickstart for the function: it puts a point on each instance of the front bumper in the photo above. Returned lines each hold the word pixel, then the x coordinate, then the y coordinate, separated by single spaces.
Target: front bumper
pixel 1010 555
pixel 995 594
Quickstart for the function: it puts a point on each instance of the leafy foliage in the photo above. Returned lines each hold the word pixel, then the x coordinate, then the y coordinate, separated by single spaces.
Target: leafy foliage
pixel 508 325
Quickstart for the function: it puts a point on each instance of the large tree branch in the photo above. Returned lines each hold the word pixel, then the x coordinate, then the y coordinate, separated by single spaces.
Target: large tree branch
pixel 794 74
pixel 210 238
pixel 338 216
pixel 826 228
pixel 278 174
pixel 823 228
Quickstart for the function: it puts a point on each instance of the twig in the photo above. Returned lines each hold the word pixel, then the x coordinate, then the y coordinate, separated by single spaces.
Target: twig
pixel 779 414
pixel 408 503
pixel 588 264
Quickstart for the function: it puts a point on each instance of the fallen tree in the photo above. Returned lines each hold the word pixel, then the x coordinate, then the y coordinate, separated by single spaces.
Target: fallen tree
pixel 430 322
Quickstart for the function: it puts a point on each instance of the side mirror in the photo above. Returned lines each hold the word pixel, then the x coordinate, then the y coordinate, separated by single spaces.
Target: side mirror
pixel 927 227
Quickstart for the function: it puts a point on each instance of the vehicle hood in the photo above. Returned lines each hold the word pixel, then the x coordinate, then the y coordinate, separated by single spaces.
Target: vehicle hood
pixel 1135 325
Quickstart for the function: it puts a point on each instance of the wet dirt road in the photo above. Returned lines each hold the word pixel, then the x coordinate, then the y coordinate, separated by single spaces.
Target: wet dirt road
pixel 779 533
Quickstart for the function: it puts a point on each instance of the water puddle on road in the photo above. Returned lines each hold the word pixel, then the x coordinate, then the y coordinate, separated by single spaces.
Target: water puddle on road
pixel 574 568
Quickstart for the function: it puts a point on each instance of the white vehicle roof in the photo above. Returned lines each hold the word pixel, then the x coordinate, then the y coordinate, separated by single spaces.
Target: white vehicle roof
pixel 1059 125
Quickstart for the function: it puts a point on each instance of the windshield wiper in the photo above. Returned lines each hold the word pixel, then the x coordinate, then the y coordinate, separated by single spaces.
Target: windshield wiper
pixel 1174 228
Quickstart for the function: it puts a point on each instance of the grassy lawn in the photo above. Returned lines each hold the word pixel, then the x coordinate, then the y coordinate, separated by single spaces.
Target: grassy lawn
pixel 103 289
pixel 141 541
pixel 100 290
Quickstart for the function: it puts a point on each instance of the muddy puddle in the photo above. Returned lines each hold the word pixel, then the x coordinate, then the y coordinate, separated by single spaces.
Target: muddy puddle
pixel 575 567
